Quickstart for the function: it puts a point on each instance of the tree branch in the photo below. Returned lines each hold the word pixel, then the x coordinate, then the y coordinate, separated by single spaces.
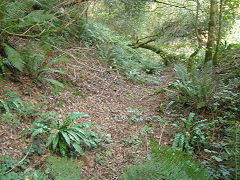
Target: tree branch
pixel 173 5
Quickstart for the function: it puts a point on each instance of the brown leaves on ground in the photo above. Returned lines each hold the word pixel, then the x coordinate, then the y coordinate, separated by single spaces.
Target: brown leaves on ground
pixel 106 96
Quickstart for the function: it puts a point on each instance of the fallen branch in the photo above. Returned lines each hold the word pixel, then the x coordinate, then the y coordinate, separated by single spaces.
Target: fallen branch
pixel 18 162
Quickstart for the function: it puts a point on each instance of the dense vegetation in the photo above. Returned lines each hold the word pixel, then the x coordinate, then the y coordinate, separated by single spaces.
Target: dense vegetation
pixel 196 42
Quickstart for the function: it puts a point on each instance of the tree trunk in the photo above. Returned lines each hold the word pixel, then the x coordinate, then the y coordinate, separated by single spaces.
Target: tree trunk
pixel 215 57
pixel 191 58
pixel 159 51
pixel 211 30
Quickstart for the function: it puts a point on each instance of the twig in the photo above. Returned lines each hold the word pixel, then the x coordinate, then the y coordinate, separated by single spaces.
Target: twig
pixel 24 35
pixel 64 52
pixel 71 22
pixel 161 135
pixel 178 5
pixel 19 161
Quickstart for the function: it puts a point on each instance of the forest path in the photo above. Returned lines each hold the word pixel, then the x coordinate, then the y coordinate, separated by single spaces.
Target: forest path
pixel 119 107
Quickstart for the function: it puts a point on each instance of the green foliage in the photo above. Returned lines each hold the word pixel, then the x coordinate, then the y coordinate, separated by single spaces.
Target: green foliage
pixel 191 135
pixel 2 66
pixel 13 107
pixel 6 164
pixel 37 19
pixel 9 169
pixel 196 87
pixel 11 101
pixel 20 17
pixel 119 55
pixel 62 168
pixel 38 68
pixel 135 115
pixel 13 57
pixel 63 135
pixel 228 98
pixel 166 164
pixel 44 69
pixel 232 148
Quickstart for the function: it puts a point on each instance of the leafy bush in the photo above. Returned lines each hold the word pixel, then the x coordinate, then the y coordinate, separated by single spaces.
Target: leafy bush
pixel 191 135
pixel 196 87
pixel 166 164
pixel 63 135
pixel 223 156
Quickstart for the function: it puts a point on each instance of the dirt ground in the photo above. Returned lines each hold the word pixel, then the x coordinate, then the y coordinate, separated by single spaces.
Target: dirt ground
pixel 111 102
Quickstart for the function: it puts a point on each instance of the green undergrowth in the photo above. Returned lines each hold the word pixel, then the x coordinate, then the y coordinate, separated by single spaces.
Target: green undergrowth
pixel 206 106
pixel 58 168
pixel 166 163
pixel 120 56
pixel 64 137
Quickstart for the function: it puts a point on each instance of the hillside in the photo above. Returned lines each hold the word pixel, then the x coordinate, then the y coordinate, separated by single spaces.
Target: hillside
pixel 125 90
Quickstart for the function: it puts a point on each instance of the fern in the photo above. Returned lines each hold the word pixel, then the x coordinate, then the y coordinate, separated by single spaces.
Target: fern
pixel 149 170
pixel 11 101
pixel 35 59
pixel 2 67
pixel 166 164
pixel 63 169
pixel 186 163
pixel 46 69
pixel 54 82
pixel 233 148
pixel 64 137
pixel 36 17
pixel 17 9
pixel 196 87
pixel 191 135
pixel 14 57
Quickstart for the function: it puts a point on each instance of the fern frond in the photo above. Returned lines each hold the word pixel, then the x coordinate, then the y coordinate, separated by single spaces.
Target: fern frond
pixel 186 163
pixel 64 168
pixel 36 17
pixel 196 86
pixel 54 82
pixel 57 60
pixel 233 148
pixel 71 118
pixel 11 101
pixel 166 164
pixel 14 57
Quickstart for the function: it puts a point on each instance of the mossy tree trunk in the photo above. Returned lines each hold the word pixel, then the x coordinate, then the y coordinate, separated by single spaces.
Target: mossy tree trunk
pixel 215 57
pixel 193 55
pixel 164 55
pixel 211 31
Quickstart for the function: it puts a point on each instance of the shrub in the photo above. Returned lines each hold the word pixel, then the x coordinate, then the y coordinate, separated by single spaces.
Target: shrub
pixel 196 87
pixel 63 135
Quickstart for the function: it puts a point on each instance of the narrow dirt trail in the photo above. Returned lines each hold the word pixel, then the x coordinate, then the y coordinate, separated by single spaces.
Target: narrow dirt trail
pixel 108 99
